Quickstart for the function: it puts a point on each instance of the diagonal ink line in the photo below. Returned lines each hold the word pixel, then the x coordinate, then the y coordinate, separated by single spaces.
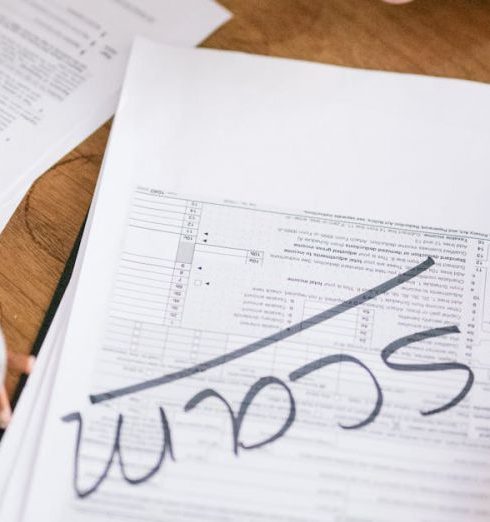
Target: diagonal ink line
pixel 267 341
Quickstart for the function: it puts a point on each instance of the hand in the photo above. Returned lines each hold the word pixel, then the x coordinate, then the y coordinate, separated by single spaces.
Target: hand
pixel 18 363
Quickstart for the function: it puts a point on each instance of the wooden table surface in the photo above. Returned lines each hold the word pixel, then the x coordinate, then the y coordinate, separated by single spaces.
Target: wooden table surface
pixel 438 37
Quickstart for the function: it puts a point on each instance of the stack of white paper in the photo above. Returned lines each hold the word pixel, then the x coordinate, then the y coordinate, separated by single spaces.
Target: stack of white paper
pixel 280 307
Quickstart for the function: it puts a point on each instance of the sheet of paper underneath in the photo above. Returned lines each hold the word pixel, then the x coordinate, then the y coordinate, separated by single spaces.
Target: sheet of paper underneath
pixel 18 449
pixel 61 68
pixel 288 136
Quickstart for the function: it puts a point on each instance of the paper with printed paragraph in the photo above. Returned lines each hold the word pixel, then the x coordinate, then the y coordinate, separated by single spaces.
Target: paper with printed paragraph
pixel 240 350
pixel 61 68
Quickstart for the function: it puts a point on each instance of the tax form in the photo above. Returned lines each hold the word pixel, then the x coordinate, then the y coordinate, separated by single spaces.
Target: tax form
pixel 61 68
pixel 264 330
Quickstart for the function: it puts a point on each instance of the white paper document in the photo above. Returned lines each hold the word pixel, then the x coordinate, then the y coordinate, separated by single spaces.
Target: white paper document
pixel 18 448
pixel 283 310
pixel 61 67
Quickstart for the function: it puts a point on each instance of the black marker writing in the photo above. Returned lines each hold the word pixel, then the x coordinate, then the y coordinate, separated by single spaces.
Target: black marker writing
pixel 267 341
pixel 432 367
pixel 116 453
pixel 237 420
pixel 339 358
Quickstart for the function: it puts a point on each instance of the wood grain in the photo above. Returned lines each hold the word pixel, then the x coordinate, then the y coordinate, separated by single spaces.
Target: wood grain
pixel 438 37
